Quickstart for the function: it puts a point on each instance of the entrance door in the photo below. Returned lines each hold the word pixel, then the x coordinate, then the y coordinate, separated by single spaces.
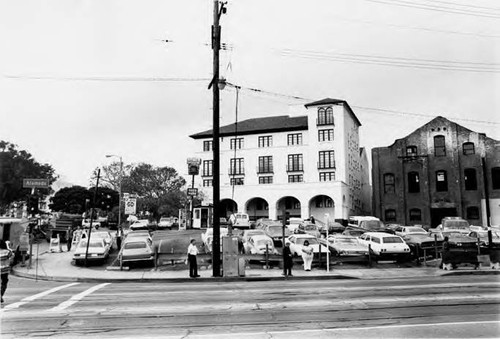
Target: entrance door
pixel 204 217
pixel 6 232
pixel 437 214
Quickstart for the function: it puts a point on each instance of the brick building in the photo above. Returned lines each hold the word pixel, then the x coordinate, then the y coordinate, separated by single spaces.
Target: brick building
pixel 441 169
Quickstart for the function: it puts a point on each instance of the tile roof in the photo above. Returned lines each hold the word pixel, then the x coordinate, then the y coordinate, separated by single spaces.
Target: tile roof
pixel 280 123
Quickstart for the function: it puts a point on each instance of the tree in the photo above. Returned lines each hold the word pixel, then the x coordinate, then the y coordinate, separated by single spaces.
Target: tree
pixel 16 165
pixel 110 175
pixel 74 199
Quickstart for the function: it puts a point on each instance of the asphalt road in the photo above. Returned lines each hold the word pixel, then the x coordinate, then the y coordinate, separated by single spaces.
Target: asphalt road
pixel 452 307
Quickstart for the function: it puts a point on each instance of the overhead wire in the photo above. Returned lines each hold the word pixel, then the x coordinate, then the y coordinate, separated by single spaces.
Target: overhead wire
pixel 235 140
pixel 101 78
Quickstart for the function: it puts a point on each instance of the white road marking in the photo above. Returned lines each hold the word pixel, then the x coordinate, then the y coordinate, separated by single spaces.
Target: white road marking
pixel 36 296
pixel 74 299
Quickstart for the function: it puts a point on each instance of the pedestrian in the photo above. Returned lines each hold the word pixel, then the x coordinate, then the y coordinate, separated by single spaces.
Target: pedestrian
pixel 69 237
pixel 193 265
pixel 307 255
pixel 119 235
pixel 313 221
pixel 288 259
pixel 446 252
pixel 5 255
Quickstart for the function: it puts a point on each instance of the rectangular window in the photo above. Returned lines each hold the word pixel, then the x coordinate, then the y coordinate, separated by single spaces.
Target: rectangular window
pixel 296 178
pixel 413 182
pixel 468 148
pixel 266 141
pixel 236 143
pixel 325 135
pixel 441 181
pixel 439 146
pixel 266 180
pixel 327 176
pixel 236 181
pixel 390 215
pixel 294 139
pixel 295 163
pixel 207 168
pixel 207 146
pixel 389 183
pixel 265 164
pixel 415 214
pixel 472 212
pixel 326 159
pixel 237 166
pixel 411 151
pixel 207 182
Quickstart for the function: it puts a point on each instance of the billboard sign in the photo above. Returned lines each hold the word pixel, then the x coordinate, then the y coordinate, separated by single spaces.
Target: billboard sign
pixel 36 183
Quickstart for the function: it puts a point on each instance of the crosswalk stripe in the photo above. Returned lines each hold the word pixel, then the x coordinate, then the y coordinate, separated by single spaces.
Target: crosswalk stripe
pixel 36 296
pixel 77 297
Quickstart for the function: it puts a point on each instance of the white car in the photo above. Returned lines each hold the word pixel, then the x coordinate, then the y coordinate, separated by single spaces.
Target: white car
pixel 293 224
pixel 257 244
pixel 240 220
pixel 166 222
pixel 385 244
pixel 406 230
pixel 141 224
pixel 108 238
pixel 249 233
pixel 208 238
pixel 98 250
pixel 86 223
pixel 297 241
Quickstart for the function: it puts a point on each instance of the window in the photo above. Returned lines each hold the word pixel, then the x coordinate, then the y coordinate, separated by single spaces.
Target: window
pixel 295 163
pixel 207 168
pixel 294 139
pixel 323 202
pixel 470 179
pixel 439 146
pixel 207 146
pixel 413 182
pixel 207 182
pixel 237 166
pixel 266 141
pixel 495 178
pixel 325 116
pixel 325 135
pixel 295 178
pixel 291 204
pixel 472 212
pixel 236 181
pixel 441 181
pixel 266 180
pixel 236 143
pixel 327 176
pixel 326 159
pixel 415 214
pixel 411 151
pixel 265 164
pixel 390 215
pixel 389 183
pixel 468 148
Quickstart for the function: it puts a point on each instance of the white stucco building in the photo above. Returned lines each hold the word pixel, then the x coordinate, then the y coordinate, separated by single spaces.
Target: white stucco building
pixel 308 164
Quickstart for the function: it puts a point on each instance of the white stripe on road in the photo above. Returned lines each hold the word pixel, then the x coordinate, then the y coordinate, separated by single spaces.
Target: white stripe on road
pixel 36 296
pixel 76 298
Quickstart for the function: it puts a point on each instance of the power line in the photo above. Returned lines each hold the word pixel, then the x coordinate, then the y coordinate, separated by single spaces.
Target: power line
pixel 112 79
pixel 463 5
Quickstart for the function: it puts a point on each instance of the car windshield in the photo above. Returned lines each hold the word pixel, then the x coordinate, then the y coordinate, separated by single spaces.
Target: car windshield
pixel 134 245
pixel 312 241
pixel 392 240
pixel 275 229
pixel 310 227
pixel 459 224
pixel 415 230
pixel 93 244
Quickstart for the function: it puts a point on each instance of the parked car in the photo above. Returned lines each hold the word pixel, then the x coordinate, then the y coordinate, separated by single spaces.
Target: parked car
pixel 308 228
pixel 136 249
pixel 141 224
pixel 240 220
pixel 274 230
pixel 333 227
pixel 297 241
pixel 344 245
pixel 248 233
pixel 108 238
pixel 86 223
pixel 208 238
pixel 138 234
pixel 166 223
pixel 98 250
pixel 455 238
pixel 404 230
pixel 293 223
pixel 256 244
pixel 386 245
pixel 260 223
pixel 453 224
pixel 483 237
pixel 462 248
pixel 366 223
pixel 422 244
pixel 353 232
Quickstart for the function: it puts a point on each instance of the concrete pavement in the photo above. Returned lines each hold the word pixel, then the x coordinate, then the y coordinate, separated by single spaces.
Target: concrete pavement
pixel 57 266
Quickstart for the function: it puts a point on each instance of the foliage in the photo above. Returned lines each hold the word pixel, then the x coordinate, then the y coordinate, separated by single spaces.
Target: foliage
pixel 78 199
pixel 16 165
pixel 110 175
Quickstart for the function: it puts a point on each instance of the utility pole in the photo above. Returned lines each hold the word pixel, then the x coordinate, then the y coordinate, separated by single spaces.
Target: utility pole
pixel 92 216
pixel 216 30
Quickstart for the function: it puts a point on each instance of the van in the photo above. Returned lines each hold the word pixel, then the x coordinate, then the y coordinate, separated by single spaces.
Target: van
pixel 367 223
pixel 240 220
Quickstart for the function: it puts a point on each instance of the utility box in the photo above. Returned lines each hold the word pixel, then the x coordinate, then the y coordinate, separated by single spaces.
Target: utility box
pixel 241 267
pixel 230 256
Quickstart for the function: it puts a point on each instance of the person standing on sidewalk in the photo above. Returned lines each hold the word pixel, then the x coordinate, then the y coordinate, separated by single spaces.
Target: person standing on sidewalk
pixel 288 259
pixel 307 255
pixel 193 265
pixel 119 235
pixel 5 255
pixel 69 237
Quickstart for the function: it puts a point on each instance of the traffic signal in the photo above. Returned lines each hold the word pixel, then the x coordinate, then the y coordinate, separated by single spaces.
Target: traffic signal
pixel 32 204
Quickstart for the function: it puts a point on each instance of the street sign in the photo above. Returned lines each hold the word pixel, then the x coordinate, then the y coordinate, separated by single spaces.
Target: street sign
pixel 192 191
pixel 36 183
pixel 130 206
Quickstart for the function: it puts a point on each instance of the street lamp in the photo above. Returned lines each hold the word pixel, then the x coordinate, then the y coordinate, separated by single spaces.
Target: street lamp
pixel 119 187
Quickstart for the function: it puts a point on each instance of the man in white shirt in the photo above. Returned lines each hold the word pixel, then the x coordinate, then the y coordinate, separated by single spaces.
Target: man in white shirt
pixel 193 265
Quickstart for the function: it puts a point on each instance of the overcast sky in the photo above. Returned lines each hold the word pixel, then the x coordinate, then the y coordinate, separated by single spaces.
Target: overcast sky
pixel 80 79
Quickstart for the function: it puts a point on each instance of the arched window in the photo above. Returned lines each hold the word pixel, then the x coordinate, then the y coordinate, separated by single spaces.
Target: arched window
pixel 415 214
pixel 472 212
pixel 468 148
pixel 470 179
pixel 413 182
pixel 390 215
pixel 441 181
pixel 389 184
pixel 439 146
pixel 325 116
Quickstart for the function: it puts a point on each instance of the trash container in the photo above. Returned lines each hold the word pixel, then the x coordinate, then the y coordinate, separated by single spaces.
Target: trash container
pixel 241 267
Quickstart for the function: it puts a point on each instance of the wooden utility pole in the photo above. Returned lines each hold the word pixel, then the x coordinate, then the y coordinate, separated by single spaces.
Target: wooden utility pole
pixel 92 215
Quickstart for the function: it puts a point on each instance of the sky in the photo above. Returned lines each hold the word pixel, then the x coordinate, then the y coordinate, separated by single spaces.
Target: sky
pixel 80 79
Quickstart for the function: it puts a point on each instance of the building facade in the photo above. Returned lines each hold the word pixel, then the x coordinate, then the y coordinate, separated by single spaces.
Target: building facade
pixel 306 165
pixel 441 169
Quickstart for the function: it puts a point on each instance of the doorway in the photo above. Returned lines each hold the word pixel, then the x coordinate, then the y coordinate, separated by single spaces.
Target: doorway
pixel 437 214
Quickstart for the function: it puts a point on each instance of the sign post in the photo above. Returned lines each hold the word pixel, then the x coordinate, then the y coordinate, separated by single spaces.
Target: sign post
pixel 130 206
pixel 193 169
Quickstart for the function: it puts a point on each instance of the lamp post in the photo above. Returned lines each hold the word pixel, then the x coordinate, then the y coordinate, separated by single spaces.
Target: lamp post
pixel 119 187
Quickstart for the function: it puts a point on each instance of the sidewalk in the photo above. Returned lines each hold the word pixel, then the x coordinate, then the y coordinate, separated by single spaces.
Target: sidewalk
pixel 57 267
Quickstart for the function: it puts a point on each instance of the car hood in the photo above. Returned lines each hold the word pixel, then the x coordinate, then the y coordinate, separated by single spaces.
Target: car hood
pixel 349 247
pixel 417 238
